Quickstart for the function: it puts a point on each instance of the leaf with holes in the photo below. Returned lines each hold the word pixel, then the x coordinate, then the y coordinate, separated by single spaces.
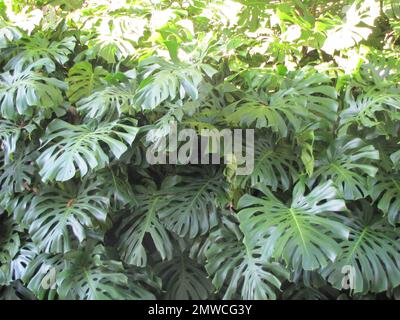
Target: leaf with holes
pixel 370 257
pixel 83 80
pixel 237 268
pixel 72 148
pixel 303 233
pixel 144 220
pixel 57 217
pixel 348 162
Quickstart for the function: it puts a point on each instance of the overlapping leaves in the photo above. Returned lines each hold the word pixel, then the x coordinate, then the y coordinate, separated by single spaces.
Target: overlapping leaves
pixel 57 217
pixel 84 216
pixel 77 147
pixel 301 233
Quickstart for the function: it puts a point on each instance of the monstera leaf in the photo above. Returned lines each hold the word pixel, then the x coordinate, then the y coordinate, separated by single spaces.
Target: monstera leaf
pixel 17 175
pixel 257 112
pixel 141 221
pixel 302 233
pixel 57 217
pixel 312 90
pixel 347 162
pixel 21 261
pixel 18 204
pixel 370 257
pixel 83 79
pixel 302 97
pixel 274 166
pixel 164 80
pixel 40 274
pixel 116 37
pixel 385 189
pixel 24 91
pixel 355 26
pixel 143 282
pixel 16 291
pixel 192 205
pixel 9 246
pixel 8 33
pixel 107 102
pixel 364 110
pixel 237 268
pixel 184 279
pixel 37 47
pixel 75 147
pixel 10 133
pixel 115 182
pixel 91 275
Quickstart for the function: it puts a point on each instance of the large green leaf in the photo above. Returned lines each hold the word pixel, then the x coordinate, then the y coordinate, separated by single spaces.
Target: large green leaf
pixel 10 134
pixel 83 79
pixel 108 102
pixel 116 184
pixel 353 28
pixel 385 189
pixel 274 166
pixel 8 33
pixel 22 92
pixel 19 264
pixel 192 205
pixel 16 291
pixel 91 275
pixel 302 233
pixel 77 147
pixel 183 279
pixel 41 273
pixel 302 97
pixel 254 111
pixel 372 251
pixel 365 109
pixel 34 48
pixel 143 219
pixel 348 162
pixel 237 268
pixel 116 37
pixel 311 90
pixel 164 80
pixel 9 246
pixel 57 217
pixel 16 176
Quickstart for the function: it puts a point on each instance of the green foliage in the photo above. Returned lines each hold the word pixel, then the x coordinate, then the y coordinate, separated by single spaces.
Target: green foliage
pixel 85 209
pixel 302 95
pixel 274 166
pixel 91 276
pixel 184 278
pixel 163 80
pixel 372 250
pixel 238 268
pixel 23 92
pixel 302 233
pixel 78 147
pixel 192 205
pixel 144 220
pixel 83 215
pixel 37 47
pixel 344 163
pixel 82 80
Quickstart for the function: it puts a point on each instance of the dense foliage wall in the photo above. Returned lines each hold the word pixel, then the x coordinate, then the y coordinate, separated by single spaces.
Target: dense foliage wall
pixel 83 215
